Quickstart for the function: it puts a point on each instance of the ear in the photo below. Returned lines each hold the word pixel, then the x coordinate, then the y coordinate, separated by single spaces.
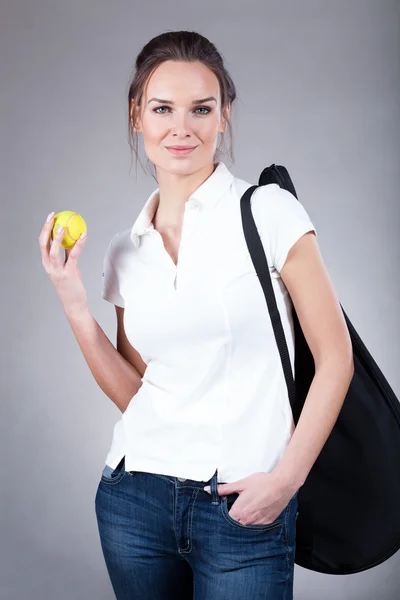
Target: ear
pixel 224 119
pixel 137 125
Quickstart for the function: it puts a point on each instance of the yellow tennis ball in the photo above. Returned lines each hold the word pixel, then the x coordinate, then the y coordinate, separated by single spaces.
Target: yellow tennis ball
pixel 74 225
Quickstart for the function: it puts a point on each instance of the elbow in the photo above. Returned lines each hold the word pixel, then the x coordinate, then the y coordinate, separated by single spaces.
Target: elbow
pixel 340 363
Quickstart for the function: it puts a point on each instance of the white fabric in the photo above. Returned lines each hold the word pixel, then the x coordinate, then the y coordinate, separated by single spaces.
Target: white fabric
pixel 214 393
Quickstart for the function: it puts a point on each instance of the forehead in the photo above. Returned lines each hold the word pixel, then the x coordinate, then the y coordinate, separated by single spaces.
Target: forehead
pixel 186 80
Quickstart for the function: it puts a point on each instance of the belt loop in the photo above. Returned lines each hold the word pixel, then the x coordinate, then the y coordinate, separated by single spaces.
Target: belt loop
pixel 213 488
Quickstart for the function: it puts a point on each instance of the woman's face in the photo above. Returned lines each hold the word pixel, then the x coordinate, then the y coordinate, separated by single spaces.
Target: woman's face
pixel 181 121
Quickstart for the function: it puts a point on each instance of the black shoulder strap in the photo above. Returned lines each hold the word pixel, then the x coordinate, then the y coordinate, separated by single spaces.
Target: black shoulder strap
pixel 277 174
pixel 260 263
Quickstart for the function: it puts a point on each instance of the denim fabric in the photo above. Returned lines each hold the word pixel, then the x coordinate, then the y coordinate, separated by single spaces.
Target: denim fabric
pixel 164 538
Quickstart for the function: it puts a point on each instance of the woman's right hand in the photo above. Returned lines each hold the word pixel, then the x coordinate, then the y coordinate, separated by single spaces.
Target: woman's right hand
pixel 66 276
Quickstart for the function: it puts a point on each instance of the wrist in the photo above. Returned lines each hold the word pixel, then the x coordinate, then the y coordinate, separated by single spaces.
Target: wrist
pixel 76 311
pixel 287 479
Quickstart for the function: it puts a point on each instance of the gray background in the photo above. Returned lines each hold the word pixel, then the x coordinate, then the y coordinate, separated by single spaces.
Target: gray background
pixel 319 91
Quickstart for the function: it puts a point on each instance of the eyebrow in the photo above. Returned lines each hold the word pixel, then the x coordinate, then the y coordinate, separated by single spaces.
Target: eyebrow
pixel 201 101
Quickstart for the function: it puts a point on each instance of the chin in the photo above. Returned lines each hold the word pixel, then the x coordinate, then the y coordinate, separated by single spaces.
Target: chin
pixel 178 165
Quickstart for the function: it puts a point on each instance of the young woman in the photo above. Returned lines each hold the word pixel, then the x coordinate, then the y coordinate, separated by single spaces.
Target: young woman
pixel 198 497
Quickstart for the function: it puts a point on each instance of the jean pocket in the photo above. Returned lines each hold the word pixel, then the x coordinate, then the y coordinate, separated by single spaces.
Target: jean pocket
pixel 227 503
pixel 112 476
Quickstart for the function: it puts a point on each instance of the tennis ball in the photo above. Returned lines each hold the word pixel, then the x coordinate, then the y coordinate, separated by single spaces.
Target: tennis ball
pixel 74 225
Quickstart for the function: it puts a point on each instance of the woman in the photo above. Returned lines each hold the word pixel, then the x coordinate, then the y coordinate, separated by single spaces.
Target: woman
pixel 198 497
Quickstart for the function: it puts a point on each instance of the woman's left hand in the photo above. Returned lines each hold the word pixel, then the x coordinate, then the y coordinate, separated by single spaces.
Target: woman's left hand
pixel 262 497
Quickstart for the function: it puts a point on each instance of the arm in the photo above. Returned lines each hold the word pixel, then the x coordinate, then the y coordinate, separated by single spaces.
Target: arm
pixel 124 347
pixel 118 379
pixel 324 327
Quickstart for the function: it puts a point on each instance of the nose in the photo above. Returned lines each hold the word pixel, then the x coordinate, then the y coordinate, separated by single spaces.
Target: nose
pixel 180 125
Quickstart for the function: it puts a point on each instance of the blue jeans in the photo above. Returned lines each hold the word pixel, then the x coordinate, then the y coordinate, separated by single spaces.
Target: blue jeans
pixel 165 538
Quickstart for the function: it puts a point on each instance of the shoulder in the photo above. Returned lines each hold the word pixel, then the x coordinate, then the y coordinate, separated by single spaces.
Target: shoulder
pixel 121 241
pixel 279 217
pixel 120 248
pixel 271 204
pixel 266 200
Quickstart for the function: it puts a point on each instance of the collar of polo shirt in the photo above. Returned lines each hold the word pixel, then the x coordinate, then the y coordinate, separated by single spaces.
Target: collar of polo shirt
pixel 206 196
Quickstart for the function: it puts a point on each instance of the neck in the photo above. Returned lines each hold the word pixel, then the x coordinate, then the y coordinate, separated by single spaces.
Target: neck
pixel 174 191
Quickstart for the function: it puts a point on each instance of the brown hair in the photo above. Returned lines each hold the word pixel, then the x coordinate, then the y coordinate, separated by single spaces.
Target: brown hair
pixel 186 46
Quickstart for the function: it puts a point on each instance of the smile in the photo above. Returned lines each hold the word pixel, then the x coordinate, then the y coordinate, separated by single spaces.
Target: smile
pixel 181 152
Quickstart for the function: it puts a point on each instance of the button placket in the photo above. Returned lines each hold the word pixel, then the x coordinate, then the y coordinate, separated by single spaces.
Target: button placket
pixel 187 229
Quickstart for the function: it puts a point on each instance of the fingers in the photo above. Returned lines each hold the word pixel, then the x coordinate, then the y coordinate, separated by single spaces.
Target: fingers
pixel 72 254
pixel 44 239
pixel 54 253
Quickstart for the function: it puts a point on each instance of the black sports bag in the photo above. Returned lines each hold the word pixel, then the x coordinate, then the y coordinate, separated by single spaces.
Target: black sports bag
pixel 349 505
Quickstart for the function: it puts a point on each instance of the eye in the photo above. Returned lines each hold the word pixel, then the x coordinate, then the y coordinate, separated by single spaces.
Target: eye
pixel 158 108
pixel 204 108
pixel 198 108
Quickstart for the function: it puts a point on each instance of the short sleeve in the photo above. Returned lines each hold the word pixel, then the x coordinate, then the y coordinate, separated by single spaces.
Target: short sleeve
pixel 110 283
pixel 283 220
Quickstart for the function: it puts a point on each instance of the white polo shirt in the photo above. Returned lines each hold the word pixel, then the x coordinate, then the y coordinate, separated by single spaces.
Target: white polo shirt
pixel 214 392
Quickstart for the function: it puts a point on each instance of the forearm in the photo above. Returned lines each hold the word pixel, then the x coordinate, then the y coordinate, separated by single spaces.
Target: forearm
pixel 118 379
pixel 317 419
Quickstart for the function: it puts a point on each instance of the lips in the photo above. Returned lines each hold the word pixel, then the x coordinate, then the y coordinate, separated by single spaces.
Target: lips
pixel 182 150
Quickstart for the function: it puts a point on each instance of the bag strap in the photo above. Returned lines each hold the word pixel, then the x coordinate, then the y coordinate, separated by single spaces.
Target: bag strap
pixel 260 263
